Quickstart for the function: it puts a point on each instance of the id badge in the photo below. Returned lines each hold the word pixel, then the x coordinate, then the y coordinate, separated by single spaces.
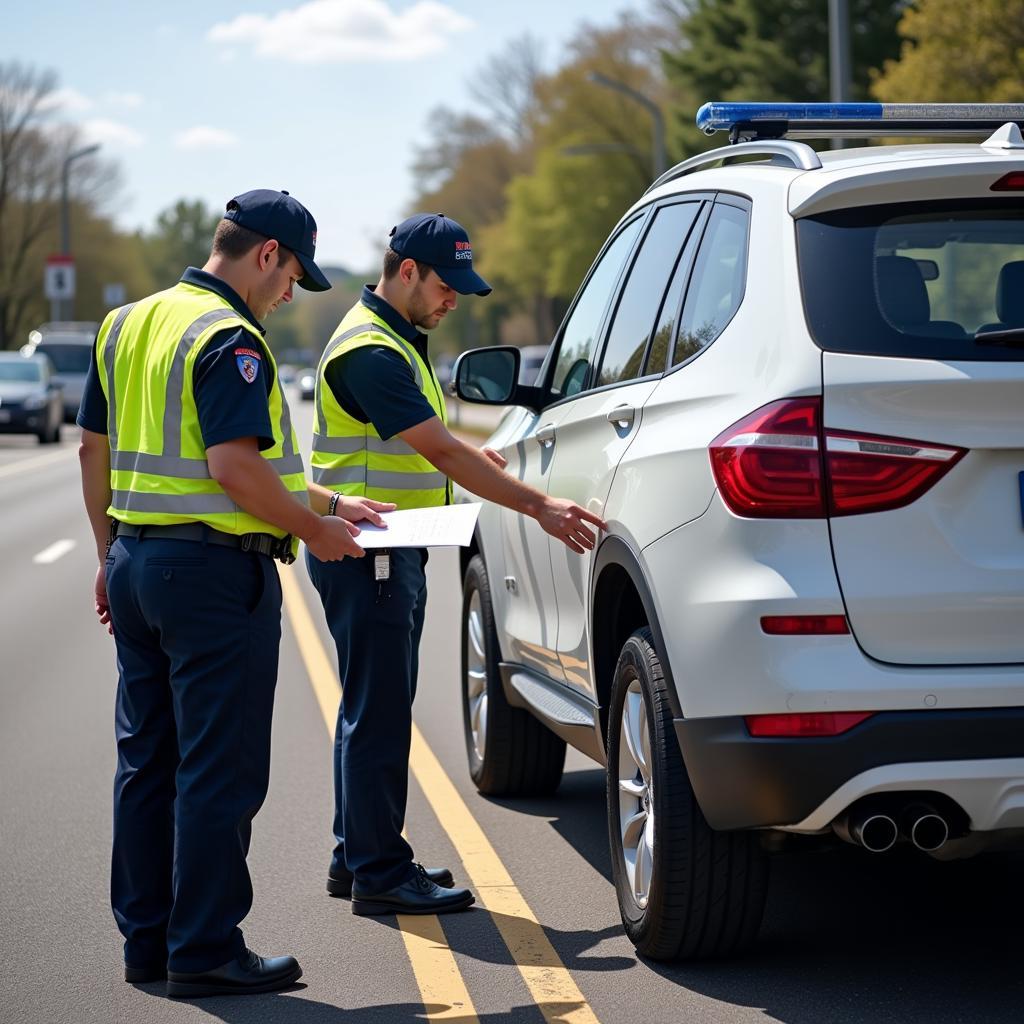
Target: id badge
pixel 382 566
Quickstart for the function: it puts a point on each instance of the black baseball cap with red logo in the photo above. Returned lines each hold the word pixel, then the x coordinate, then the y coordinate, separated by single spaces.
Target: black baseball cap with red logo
pixel 443 243
pixel 279 216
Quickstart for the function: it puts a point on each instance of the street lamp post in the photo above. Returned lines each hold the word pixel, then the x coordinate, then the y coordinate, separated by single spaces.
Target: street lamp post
pixel 65 220
pixel 839 54
pixel 658 158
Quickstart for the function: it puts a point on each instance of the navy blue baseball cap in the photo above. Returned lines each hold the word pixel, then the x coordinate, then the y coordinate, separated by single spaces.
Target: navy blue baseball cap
pixel 443 243
pixel 279 216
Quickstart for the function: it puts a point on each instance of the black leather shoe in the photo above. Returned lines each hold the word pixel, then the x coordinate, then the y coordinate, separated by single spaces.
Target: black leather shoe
pixel 419 895
pixel 248 974
pixel 140 975
pixel 339 882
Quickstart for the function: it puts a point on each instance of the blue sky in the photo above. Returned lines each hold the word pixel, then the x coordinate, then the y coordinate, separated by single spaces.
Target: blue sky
pixel 325 98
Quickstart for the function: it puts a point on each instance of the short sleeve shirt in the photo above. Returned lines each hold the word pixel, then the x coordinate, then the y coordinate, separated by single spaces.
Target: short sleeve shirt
pixel 375 384
pixel 231 379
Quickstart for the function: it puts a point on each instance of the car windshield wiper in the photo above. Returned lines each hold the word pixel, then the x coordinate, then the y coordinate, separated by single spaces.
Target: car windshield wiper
pixel 1013 337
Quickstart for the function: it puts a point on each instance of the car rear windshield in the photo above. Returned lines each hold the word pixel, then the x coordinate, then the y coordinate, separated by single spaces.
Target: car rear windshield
pixel 20 370
pixel 67 357
pixel 930 280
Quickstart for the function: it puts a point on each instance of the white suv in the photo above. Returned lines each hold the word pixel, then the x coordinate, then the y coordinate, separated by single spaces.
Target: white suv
pixel 793 384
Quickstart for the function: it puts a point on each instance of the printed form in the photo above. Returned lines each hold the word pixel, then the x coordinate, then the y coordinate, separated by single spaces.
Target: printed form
pixel 440 527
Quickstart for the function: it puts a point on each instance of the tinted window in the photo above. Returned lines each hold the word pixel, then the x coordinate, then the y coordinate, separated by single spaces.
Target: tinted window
pixel 716 287
pixel 922 280
pixel 634 318
pixel 668 318
pixel 579 339
pixel 67 358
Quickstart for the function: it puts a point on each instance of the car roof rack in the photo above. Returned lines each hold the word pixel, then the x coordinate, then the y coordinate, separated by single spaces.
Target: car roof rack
pixel 758 121
pixel 791 154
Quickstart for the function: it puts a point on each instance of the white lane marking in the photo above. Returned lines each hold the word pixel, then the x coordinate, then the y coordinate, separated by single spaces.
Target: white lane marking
pixel 40 460
pixel 53 552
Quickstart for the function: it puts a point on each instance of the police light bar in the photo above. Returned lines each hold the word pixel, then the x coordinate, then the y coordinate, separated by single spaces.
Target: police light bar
pixel 854 120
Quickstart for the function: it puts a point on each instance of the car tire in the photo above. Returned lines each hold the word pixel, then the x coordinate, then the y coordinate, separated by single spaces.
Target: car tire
pixel 510 752
pixel 698 893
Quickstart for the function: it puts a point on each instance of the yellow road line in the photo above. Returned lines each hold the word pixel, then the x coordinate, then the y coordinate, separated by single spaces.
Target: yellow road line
pixel 438 978
pixel 549 982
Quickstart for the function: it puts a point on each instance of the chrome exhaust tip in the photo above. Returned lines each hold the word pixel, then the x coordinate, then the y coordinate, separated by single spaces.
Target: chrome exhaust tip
pixel 873 830
pixel 925 827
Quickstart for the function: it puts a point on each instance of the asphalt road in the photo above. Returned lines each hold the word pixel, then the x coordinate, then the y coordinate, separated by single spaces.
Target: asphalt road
pixel 847 937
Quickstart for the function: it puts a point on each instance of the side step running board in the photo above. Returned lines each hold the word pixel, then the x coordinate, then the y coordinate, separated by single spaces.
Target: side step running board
pixel 565 712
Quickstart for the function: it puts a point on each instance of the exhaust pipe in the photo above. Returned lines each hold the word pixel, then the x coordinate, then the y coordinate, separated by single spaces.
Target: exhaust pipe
pixel 925 827
pixel 875 831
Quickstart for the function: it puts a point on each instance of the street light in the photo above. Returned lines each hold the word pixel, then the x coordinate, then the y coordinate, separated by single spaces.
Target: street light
pixel 839 54
pixel 65 221
pixel 658 158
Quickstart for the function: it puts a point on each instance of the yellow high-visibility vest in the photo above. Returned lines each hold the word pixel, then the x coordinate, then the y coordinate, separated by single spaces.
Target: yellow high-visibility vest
pixel 145 354
pixel 350 456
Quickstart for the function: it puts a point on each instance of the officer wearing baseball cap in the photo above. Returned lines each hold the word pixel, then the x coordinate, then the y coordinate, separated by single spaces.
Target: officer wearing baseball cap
pixel 277 215
pixel 193 483
pixel 380 433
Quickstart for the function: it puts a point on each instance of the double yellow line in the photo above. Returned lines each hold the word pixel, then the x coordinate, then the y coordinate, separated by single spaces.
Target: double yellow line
pixel 440 981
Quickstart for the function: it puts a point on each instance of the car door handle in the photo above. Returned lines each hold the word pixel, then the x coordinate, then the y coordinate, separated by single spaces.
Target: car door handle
pixel 546 435
pixel 622 416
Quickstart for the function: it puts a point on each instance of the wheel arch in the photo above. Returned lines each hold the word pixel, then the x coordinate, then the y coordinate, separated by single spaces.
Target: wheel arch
pixel 621 602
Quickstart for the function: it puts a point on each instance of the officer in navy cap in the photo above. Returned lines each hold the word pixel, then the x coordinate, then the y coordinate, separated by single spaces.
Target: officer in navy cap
pixel 380 432
pixel 193 484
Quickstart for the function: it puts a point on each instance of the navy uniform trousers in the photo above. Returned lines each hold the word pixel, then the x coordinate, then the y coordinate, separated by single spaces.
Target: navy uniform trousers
pixel 197 629
pixel 376 629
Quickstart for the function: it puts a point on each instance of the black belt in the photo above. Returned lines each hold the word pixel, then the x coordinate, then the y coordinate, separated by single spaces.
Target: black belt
pixel 257 543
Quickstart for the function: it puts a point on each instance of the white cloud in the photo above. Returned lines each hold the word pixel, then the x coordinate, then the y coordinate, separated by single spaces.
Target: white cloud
pixel 111 133
pixel 334 31
pixel 125 100
pixel 67 101
pixel 204 137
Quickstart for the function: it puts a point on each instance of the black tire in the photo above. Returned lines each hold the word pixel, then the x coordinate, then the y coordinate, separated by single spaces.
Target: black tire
pixel 521 757
pixel 706 889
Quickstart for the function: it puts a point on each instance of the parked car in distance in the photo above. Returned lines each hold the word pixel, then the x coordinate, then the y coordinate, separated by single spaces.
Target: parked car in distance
pixel 307 384
pixel 30 397
pixel 793 384
pixel 531 359
pixel 69 346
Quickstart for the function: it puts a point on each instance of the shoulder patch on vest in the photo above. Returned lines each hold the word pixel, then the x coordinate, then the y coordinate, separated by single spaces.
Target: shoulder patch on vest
pixel 248 362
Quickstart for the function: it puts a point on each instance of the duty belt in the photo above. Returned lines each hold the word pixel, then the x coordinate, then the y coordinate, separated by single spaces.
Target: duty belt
pixel 256 543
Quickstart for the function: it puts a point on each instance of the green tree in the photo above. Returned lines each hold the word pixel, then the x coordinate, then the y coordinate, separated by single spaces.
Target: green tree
pixel 180 238
pixel 957 52
pixel 767 50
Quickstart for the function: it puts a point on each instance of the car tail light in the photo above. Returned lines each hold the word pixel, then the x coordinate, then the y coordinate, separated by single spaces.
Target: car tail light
pixel 805 625
pixel 806 723
pixel 1012 182
pixel 778 462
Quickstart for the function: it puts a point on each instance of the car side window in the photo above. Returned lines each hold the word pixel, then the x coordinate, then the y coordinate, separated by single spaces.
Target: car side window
pixel 580 336
pixel 631 328
pixel 716 287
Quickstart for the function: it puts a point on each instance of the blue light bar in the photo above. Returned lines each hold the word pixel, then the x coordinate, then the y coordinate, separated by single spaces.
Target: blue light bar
pixel 824 120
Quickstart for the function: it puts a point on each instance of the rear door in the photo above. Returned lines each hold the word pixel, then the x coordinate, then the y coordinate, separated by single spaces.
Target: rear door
pixel 924 423
pixel 598 426
pixel 531 625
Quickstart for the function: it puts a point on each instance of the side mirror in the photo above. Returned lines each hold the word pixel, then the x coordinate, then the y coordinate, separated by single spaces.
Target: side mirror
pixel 54 385
pixel 489 376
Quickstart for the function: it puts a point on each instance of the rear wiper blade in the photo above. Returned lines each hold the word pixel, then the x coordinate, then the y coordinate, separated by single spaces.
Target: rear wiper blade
pixel 1010 338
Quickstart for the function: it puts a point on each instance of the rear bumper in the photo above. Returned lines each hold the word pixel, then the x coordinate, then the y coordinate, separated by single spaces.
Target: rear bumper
pixel 746 782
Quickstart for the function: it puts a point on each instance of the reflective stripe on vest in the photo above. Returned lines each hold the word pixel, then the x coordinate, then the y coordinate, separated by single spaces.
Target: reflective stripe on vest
pixel 162 484
pixel 348 455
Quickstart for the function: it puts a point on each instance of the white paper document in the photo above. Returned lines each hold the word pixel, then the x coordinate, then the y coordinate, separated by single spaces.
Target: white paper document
pixel 443 526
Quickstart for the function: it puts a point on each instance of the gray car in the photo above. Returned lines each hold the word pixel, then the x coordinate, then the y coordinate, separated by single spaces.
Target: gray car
pixel 69 346
pixel 30 397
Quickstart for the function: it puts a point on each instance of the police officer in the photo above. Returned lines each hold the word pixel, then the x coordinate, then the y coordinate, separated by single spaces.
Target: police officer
pixel 193 484
pixel 380 433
